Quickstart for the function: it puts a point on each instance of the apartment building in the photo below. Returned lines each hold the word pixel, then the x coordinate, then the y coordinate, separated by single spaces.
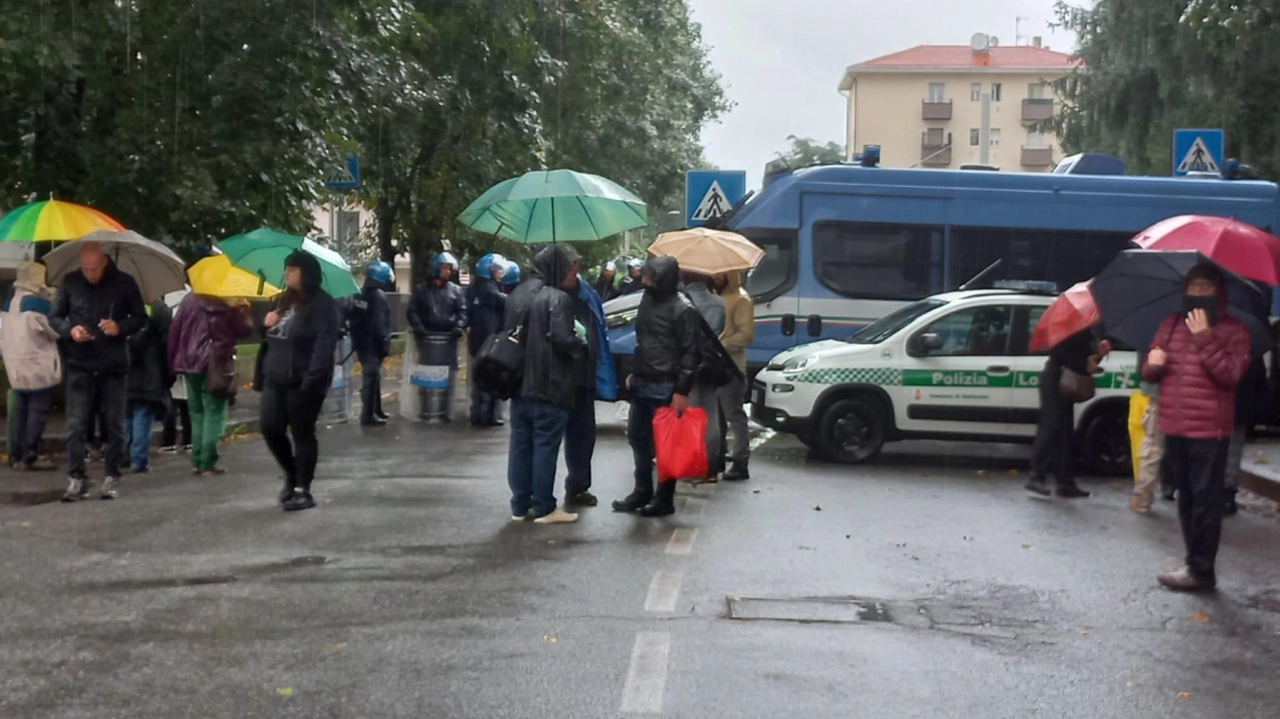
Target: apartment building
pixel 924 106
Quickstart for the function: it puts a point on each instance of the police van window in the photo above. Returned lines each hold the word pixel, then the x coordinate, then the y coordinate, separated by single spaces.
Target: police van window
pixel 976 332
pixel 1064 257
pixel 776 273
pixel 878 261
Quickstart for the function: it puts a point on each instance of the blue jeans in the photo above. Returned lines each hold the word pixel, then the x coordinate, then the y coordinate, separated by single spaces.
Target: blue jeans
pixel 537 428
pixel 142 416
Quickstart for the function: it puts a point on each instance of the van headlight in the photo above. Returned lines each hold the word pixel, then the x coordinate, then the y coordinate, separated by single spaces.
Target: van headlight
pixel 622 319
pixel 799 364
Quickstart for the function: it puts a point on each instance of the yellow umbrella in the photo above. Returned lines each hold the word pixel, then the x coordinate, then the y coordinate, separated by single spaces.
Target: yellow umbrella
pixel 216 276
pixel 708 251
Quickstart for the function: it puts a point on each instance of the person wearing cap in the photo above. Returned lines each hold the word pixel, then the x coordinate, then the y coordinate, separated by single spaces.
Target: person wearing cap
pixel 1198 357
pixel 605 286
pixel 485 307
pixel 370 322
pixel 297 371
pixel 439 307
pixel 633 282
pixel 31 360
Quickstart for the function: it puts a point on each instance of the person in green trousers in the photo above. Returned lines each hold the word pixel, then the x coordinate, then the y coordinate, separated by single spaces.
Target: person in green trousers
pixel 205 327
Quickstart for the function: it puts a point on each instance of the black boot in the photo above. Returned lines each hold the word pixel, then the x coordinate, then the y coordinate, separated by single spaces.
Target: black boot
pixel 300 500
pixel 1037 485
pixel 1071 491
pixel 1231 509
pixel 737 472
pixel 633 502
pixel 659 507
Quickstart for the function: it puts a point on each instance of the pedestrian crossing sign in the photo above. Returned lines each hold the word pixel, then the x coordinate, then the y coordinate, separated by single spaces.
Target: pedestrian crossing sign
pixel 711 194
pixel 1197 151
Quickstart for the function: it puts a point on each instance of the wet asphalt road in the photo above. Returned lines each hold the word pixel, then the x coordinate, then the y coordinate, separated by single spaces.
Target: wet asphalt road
pixel 407 593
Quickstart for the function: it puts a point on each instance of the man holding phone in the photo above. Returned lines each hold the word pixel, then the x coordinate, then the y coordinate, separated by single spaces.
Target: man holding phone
pixel 1198 357
pixel 97 308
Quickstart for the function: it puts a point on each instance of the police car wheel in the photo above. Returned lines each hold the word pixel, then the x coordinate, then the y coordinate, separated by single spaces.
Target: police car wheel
pixel 852 431
pixel 1107 451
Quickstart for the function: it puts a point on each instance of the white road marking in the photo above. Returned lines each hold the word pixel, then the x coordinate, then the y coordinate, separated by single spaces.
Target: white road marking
pixel 664 590
pixel 647 677
pixel 760 439
pixel 681 541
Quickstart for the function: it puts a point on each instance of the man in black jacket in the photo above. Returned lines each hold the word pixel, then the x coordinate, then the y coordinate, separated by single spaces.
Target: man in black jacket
pixel 633 282
pixel 438 307
pixel 371 339
pixel 605 286
pixel 97 308
pixel 485 308
pixel 540 409
pixel 667 361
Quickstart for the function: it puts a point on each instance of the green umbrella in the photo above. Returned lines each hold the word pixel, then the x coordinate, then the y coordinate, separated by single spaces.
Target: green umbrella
pixel 555 206
pixel 263 253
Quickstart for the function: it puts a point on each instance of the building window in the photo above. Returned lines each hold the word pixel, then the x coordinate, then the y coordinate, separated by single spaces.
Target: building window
pixel 975 138
pixel 935 137
pixel 937 92
pixel 975 92
pixel 878 261
pixel 1036 140
pixel 995 137
pixel 995 92
pixel 1037 91
pixel 1064 257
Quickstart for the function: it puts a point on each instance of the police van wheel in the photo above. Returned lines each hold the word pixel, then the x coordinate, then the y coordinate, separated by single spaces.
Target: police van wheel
pixel 1106 445
pixel 852 431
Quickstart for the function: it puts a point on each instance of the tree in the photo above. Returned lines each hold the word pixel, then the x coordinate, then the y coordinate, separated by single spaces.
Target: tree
pixel 805 151
pixel 1152 66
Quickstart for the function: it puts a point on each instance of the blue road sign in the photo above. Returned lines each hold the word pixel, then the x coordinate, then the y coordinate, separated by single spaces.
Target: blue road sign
pixel 1198 151
pixel 709 194
pixel 347 178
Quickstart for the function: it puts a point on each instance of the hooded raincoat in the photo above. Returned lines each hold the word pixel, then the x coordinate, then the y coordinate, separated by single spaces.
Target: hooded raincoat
pixel 27 340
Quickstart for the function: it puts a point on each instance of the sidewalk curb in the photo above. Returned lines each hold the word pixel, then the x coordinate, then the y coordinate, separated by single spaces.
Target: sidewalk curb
pixel 1258 484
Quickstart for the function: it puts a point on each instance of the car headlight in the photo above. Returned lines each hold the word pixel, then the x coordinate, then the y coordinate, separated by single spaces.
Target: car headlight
pixel 622 319
pixel 799 364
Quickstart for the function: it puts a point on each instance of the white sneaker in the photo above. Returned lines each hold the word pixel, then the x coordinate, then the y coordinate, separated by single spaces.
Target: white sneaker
pixel 523 517
pixel 109 488
pixel 557 516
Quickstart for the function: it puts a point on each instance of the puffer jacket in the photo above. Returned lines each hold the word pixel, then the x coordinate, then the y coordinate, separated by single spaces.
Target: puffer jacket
pixel 437 309
pixel 551 345
pixel 28 342
pixel 1199 377
pixel 740 321
pixel 668 331
pixel 202 326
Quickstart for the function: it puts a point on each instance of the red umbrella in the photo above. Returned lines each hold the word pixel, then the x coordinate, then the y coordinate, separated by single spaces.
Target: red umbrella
pixel 1073 312
pixel 1238 246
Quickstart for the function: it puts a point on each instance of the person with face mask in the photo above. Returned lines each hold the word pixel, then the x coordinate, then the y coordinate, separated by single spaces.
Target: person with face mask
pixel 97 309
pixel 633 282
pixel 485 307
pixel 606 286
pixel 439 307
pixel 1198 357
pixel 297 372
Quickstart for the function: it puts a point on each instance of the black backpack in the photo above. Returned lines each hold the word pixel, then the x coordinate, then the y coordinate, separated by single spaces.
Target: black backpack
pixel 498 368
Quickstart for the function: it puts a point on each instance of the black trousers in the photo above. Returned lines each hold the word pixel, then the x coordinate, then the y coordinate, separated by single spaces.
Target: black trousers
pixel 1196 467
pixel 30 415
pixel 370 386
pixel 1055 434
pixel 580 443
pixel 640 436
pixel 177 409
pixel 88 393
pixel 484 406
pixel 286 411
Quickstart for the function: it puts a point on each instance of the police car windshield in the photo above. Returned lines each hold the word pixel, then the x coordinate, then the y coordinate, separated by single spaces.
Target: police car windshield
pixel 889 325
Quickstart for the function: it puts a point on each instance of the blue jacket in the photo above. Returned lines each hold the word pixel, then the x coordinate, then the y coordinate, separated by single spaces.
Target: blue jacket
pixel 606 374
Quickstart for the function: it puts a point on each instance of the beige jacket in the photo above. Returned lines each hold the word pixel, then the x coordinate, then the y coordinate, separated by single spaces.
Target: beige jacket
pixel 29 345
pixel 740 321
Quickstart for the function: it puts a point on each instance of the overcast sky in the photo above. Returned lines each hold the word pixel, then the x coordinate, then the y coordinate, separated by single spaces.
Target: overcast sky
pixel 782 60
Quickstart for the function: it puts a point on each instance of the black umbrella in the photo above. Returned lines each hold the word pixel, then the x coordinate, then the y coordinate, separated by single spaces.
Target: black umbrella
pixel 1140 288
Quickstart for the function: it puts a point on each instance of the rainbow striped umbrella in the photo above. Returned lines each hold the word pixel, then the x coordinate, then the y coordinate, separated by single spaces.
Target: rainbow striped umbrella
pixel 53 220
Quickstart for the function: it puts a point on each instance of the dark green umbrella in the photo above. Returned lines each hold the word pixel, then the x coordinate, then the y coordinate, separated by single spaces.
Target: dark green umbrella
pixel 263 252
pixel 555 206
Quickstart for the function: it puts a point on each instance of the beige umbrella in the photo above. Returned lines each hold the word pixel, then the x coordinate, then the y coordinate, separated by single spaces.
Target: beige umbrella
pixel 708 251
pixel 155 267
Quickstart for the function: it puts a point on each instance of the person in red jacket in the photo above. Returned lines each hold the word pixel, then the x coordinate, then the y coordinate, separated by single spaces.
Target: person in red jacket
pixel 1198 357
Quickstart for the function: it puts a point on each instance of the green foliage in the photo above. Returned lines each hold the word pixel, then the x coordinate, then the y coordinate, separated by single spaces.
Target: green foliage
pixel 805 151
pixel 1153 66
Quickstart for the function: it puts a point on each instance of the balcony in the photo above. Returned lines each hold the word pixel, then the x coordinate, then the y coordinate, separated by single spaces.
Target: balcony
pixel 935 155
pixel 936 110
pixel 1037 156
pixel 1037 109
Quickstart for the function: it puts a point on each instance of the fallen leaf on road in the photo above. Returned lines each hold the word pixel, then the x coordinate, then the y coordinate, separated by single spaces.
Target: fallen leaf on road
pixel 818 508
pixel 1134 685
pixel 548 639
pixel 1184 695
pixel 1199 617
pixel 981 472
pixel 25 524
pixel 285 691
pixel 332 647
pixel 1026 546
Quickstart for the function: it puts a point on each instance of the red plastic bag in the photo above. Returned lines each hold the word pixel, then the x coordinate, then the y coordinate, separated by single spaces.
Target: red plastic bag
pixel 680 443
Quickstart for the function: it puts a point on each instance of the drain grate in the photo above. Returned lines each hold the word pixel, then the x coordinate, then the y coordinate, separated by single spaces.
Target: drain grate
pixel 843 610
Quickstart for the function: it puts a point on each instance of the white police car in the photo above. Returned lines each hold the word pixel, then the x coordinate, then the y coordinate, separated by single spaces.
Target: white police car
pixel 952 366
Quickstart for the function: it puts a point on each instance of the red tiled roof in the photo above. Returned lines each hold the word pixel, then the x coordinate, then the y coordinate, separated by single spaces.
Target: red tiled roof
pixel 962 56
